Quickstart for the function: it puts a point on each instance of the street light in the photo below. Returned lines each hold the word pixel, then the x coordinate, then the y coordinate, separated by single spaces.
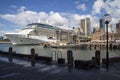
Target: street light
pixel 107 18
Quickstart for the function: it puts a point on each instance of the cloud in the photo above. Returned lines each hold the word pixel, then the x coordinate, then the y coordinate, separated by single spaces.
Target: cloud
pixel 111 7
pixel 24 17
pixel 81 7
pixel 13 6
pixel 22 9
pixel 3 31
pixel 57 19
pixel 98 6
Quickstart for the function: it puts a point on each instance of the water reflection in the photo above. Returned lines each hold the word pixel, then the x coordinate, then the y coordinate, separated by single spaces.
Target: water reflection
pixel 77 53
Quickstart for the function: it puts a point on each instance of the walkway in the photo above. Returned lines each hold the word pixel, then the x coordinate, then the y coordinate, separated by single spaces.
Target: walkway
pixel 22 70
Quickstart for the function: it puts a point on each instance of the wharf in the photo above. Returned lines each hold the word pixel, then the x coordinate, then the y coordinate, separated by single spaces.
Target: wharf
pixel 22 70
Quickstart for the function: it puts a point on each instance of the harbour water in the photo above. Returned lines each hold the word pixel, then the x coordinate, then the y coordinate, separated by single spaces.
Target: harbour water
pixel 40 50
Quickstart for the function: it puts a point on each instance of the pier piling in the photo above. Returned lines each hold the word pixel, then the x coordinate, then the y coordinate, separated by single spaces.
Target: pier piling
pixel 33 57
pixel 10 54
pixel 97 58
pixel 70 59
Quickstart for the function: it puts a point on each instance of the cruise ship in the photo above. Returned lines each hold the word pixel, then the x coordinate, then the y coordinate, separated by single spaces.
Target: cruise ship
pixel 34 33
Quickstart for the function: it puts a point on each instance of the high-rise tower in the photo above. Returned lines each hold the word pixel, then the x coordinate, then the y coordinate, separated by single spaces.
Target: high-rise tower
pixel 110 28
pixel 118 27
pixel 102 24
pixel 86 26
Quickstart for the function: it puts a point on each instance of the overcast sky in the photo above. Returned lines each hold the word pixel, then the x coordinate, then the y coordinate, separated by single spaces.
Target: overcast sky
pixel 15 14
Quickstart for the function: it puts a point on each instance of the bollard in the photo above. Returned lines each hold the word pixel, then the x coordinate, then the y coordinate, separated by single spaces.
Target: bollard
pixel 10 54
pixel 70 59
pixel 33 57
pixel 97 58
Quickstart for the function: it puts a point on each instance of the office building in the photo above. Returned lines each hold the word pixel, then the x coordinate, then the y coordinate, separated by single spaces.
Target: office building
pixel 118 27
pixel 102 24
pixel 86 26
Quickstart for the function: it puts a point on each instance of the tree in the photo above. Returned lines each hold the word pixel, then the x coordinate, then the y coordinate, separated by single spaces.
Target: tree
pixel 1 37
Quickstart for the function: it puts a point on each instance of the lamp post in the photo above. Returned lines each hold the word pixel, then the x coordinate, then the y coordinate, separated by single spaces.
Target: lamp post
pixel 107 18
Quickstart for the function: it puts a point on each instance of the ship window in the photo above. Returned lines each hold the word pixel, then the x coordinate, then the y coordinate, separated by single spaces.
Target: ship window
pixel 50 37
pixel 21 40
pixel 41 25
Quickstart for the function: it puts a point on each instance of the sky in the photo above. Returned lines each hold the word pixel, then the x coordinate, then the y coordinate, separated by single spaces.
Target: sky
pixel 16 14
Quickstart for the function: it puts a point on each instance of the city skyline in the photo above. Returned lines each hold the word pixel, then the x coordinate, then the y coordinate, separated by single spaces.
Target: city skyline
pixel 15 14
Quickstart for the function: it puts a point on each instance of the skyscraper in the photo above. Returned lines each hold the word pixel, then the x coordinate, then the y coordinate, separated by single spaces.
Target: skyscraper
pixel 83 25
pixel 110 28
pixel 118 27
pixel 102 24
pixel 86 26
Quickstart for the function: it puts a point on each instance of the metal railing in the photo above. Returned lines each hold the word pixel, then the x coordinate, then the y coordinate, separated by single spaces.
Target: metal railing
pixel 56 54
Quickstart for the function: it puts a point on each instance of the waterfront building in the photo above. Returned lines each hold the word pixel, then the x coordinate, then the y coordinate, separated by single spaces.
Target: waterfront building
pixel 80 36
pixel 64 36
pixel 94 29
pixel 86 26
pixel 118 27
pixel 100 34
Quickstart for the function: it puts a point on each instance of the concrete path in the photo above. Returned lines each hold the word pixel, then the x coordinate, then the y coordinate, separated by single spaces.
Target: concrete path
pixel 22 70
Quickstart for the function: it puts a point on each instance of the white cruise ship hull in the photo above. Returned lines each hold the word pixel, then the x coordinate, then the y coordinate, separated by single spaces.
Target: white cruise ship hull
pixel 17 39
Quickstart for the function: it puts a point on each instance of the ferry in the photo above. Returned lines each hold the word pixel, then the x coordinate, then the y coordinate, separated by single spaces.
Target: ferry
pixel 34 33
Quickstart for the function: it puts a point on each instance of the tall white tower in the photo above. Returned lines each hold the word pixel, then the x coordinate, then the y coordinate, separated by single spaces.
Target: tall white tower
pixel 86 26
pixel 110 28
pixel 83 25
